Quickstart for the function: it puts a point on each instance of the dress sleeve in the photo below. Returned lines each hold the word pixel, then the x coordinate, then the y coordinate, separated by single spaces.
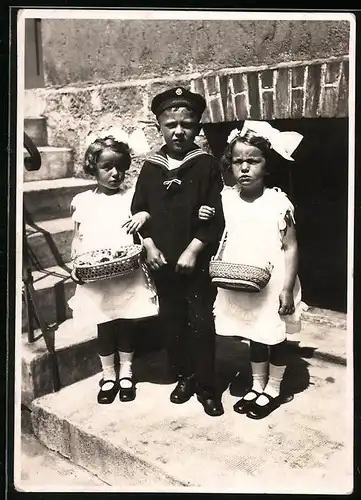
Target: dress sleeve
pixel 210 231
pixel 286 211
pixel 74 208
pixel 77 206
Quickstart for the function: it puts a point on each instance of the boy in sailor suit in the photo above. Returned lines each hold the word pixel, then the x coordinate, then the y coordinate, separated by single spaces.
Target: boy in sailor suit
pixel 172 185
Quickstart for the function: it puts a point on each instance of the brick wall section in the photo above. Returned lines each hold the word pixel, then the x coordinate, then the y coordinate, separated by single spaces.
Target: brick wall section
pixel 307 89
pixel 297 89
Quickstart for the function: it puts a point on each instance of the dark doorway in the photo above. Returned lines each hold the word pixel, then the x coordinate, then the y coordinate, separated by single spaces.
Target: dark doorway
pixel 317 184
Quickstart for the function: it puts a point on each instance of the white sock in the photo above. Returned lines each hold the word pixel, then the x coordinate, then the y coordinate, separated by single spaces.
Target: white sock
pixel 259 377
pixel 125 369
pixel 274 382
pixel 108 367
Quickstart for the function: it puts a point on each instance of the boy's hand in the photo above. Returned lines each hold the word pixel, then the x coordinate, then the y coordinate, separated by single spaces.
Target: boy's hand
pixel 287 305
pixel 186 262
pixel 155 258
pixel 75 278
pixel 205 212
pixel 134 223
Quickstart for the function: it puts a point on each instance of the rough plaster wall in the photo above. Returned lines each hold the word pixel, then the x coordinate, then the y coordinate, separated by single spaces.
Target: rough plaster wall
pixel 72 114
pixel 78 51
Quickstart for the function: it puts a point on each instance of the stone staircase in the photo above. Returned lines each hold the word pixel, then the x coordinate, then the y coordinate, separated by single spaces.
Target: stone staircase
pixel 47 195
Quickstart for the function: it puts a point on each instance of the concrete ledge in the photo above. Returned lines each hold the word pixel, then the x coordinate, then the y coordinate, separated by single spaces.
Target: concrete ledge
pixel 50 199
pixel 53 287
pixel 50 241
pixel 151 442
pixel 76 354
pixel 56 163
pixel 77 358
pixel 111 463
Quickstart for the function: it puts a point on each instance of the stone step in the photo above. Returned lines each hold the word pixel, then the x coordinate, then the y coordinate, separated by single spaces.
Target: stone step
pixel 56 163
pixel 77 358
pixel 50 199
pixel 35 128
pixel 49 242
pixel 151 443
pixel 53 288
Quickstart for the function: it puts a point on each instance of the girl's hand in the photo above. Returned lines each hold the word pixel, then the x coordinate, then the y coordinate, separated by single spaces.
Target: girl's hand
pixel 287 305
pixel 186 262
pixel 134 223
pixel 205 212
pixel 75 278
pixel 155 258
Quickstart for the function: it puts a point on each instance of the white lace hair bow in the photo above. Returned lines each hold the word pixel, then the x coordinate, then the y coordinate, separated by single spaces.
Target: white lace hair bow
pixel 136 140
pixel 284 143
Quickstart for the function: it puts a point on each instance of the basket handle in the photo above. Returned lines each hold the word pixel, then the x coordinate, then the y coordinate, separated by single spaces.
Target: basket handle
pixel 221 246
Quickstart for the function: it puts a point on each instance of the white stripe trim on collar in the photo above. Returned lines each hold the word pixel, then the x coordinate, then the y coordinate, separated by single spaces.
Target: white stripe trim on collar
pixel 161 160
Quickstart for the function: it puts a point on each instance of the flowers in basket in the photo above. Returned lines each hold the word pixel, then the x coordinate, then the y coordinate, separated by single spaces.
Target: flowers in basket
pixel 108 263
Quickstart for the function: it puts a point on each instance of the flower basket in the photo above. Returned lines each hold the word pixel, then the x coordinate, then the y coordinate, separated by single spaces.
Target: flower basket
pixel 234 276
pixel 108 263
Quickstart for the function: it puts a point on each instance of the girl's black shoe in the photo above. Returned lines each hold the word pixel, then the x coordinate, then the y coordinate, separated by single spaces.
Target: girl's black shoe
pixel 127 393
pixel 244 405
pixel 106 397
pixel 256 412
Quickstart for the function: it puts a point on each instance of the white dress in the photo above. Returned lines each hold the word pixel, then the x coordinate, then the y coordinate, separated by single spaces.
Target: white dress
pixel 254 237
pixel 100 219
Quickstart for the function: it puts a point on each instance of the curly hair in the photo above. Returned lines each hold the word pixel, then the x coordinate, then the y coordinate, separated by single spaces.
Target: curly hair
pixel 98 146
pixel 249 138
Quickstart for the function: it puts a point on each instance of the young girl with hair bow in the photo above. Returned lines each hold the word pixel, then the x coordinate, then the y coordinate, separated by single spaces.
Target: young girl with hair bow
pixel 260 228
pixel 102 220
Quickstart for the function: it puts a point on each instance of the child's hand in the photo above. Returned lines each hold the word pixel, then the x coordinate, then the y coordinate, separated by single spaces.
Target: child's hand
pixel 287 305
pixel 134 223
pixel 186 262
pixel 75 278
pixel 205 212
pixel 155 258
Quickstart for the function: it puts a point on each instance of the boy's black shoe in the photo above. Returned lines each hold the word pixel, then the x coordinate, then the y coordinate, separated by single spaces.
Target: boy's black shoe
pixel 184 390
pixel 211 403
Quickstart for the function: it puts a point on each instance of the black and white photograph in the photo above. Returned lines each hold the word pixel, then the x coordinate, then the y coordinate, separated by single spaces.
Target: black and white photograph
pixel 184 251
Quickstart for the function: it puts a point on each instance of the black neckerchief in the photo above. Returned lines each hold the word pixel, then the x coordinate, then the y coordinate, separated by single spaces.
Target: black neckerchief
pixel 172 177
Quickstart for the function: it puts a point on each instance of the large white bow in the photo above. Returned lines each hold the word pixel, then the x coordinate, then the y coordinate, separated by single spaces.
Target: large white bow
pixel 284 143
pixel 136 140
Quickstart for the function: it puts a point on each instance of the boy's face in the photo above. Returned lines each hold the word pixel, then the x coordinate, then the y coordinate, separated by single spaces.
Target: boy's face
pixel 179 127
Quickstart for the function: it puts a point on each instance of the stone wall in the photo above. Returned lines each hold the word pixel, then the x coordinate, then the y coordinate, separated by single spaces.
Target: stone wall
pixel 73 113
pixel 109 50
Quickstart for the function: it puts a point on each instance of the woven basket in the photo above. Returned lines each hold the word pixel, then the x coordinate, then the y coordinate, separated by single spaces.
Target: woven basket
pixel 125 264
pixel 234 276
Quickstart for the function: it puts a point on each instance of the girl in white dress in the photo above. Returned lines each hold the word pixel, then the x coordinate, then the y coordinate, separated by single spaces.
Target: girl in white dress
pixel 260 229
pixel 102 220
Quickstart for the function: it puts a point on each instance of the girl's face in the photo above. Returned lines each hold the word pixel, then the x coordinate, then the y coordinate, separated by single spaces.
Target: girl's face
pixel 248 166
pixel 179 128
pixel 110 170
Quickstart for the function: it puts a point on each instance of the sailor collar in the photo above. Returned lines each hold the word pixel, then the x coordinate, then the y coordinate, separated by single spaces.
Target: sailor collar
pixel 161 159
